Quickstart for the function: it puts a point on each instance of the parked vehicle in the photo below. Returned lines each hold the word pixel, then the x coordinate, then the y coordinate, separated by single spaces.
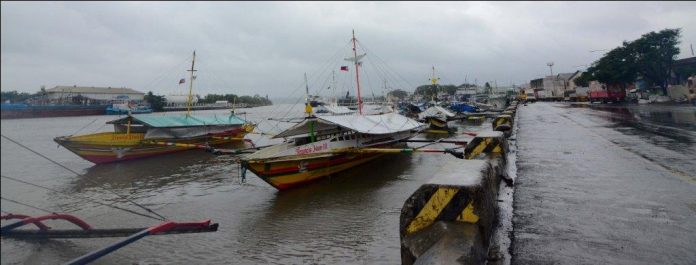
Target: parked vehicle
pixel 605 93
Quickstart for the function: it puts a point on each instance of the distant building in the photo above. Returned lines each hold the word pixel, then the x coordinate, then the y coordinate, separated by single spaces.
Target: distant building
pixel 558 84
pixel 682 70
pixel 94 93
pixel 537 87
pixel 464 93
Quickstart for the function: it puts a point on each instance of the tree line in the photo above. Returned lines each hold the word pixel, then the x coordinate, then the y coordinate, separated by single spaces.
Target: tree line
pixel 14 96
pixel 255 100
pixel 649 57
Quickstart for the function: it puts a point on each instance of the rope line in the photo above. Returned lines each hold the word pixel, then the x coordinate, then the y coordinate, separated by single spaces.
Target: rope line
pixel 83 127
pixel 27 205
pixel 78 174
pixel 81 197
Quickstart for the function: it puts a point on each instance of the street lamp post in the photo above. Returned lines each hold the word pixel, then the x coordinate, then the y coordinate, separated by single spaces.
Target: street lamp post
pixel 553 82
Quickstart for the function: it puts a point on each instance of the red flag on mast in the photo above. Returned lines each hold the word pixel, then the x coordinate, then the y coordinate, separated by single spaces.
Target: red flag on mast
pixel 344 68
pixel 183 80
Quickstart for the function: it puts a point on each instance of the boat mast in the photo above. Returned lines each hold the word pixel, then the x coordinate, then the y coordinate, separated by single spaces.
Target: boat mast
pixel 357 76
pixel 308 105
pixel 308 110
pixel 333 84
pixel 434 80
pixel 190 96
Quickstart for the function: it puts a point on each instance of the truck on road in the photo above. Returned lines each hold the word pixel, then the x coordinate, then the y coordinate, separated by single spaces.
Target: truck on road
pixel 606 93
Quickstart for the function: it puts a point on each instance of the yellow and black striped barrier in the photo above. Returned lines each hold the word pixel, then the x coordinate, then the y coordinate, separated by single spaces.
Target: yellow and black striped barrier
pixel 476 119
pixel 503 123
pixel 459 200
pixel 486 143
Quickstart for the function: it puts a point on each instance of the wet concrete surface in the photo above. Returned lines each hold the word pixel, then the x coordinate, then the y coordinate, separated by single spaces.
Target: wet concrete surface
pixel 605 184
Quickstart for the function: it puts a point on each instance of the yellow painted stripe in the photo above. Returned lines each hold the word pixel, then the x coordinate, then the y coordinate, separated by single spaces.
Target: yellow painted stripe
pixel 427 215
pixel 478 149
pixel 316 173
pixel 468 214
pixel 437 131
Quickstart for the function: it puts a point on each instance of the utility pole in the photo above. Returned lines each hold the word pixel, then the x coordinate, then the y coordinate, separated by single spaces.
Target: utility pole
pixel 550 65
pixel 692 49
pixel 553 81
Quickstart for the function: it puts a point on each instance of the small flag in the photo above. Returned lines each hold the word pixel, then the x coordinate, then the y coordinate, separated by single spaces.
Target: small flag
pixel 344 68
pixel 183 80
pixel 194 77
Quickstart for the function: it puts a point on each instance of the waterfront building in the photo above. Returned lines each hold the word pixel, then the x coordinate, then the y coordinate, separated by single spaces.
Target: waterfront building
pixel 94 93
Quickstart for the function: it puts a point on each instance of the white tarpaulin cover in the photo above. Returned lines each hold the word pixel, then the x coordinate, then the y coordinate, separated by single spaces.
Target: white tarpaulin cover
pixel 368 124
pixel 336 110
pixel 435 111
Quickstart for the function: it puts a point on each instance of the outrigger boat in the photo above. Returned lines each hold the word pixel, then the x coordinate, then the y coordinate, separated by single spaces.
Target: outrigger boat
pixel 322 145
pixel 437 117
pixel 147 135
pixel 140 136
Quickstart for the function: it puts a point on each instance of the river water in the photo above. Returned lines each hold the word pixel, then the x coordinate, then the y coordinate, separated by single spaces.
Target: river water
pixel 349 218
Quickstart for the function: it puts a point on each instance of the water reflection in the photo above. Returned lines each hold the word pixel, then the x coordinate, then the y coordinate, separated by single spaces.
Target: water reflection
pixel 331 216
pixel 678 116
pixel 162 172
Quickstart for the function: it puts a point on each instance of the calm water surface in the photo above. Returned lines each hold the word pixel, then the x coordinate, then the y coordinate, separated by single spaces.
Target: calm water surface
pixel 349 218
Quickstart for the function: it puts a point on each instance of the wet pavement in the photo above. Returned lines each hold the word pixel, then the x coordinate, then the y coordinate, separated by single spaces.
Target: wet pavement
pixel 605 184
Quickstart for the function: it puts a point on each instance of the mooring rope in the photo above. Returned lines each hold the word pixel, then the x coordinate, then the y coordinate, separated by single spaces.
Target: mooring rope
pixel 78 174
pixel 27 205
pixel 81 197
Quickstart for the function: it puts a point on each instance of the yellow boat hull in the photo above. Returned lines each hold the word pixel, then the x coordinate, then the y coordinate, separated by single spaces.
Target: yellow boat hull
pixel 289 173
pixel 101 148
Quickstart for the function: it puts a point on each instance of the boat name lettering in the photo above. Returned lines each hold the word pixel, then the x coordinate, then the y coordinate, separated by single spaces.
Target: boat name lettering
pixel 312 149
pixel 126 137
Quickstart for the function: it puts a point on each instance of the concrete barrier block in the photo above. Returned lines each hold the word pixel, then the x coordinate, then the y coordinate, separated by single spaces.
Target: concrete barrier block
pixel 476 119
pixel 503 123
pixel 446 243
pixel 486 143
pixel 462 192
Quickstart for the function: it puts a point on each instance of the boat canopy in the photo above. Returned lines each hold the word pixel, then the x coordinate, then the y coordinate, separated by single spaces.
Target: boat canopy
pixel 367 124
pixel 435 111
pixel 160 121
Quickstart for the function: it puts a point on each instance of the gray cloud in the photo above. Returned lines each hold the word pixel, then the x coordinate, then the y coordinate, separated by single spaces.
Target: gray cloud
pixel 265 47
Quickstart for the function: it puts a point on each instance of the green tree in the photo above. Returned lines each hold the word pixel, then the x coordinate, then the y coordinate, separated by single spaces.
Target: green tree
pixel 617 67
pixel 14 96
pixel 584 79
pixel 654 54
pixel 426 91
pixel 398 93
pixel 449 89
pixel 156 102
pixel 651 56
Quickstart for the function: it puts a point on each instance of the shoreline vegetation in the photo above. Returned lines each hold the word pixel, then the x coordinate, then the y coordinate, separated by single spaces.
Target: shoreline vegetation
pixel 157 102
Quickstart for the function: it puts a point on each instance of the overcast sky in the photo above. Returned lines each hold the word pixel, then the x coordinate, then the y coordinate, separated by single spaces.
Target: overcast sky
pixel 264 48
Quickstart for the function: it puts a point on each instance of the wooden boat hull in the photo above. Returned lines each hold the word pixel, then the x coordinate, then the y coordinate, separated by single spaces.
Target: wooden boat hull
pixel 290 173
pixel 102 148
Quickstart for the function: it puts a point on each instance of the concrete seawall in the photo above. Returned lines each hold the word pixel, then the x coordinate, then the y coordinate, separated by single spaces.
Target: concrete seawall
pixel 451 218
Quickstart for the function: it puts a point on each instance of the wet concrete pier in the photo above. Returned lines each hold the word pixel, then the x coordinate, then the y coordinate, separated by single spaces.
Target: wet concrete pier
pixel 595 186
